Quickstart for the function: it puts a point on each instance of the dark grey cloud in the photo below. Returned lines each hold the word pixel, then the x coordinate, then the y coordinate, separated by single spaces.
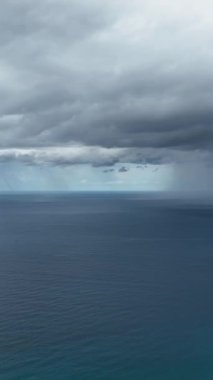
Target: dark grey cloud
pixel 132 78
pixel 123 169
pixel 108 170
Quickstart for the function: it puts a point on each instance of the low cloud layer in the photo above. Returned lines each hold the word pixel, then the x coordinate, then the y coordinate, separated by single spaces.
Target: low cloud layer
pixel 106 82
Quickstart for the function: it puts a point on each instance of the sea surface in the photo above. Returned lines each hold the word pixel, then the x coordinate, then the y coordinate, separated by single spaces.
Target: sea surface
pixel 105 287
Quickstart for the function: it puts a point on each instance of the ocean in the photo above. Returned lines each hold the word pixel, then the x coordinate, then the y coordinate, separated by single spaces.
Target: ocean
pixel 105 286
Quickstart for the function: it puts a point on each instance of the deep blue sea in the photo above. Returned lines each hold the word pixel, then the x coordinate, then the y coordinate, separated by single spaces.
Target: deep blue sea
pixel 105 287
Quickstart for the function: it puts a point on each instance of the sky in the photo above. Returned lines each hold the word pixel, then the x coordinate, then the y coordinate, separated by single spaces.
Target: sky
pixel 106 95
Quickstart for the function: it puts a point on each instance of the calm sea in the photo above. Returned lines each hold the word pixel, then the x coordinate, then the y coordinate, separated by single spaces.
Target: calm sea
pixel 106 287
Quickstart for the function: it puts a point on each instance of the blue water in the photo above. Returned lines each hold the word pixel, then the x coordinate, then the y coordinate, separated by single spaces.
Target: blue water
pixel 105 286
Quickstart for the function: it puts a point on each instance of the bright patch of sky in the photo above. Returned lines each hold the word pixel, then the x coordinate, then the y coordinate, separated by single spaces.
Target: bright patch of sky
pixel 21 177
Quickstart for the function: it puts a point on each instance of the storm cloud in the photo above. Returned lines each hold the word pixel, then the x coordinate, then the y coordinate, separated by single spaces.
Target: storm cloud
pixel 106 82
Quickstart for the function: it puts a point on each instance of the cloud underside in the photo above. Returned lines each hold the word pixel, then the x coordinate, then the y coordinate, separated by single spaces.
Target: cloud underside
pixel 101 83
pixel 99 156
